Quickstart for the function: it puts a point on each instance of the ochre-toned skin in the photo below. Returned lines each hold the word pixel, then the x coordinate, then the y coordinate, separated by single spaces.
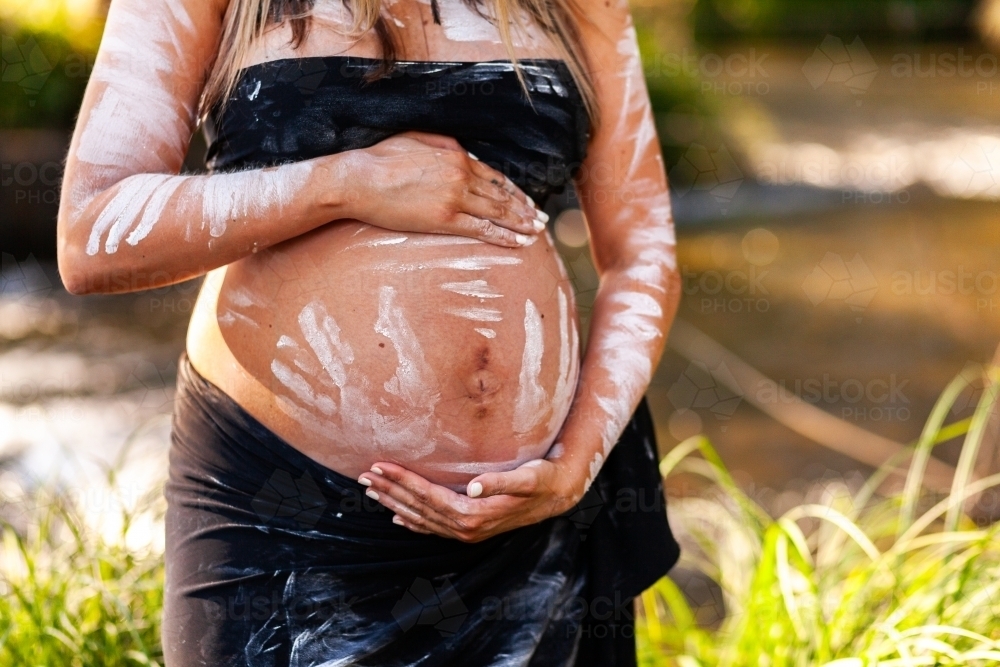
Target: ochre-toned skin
pixel 277 258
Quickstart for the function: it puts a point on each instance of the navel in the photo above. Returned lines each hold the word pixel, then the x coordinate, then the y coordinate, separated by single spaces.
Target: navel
pixel 482 384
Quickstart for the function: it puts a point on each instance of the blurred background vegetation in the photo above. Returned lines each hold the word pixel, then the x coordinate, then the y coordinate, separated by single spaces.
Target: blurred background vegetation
pixel 834 168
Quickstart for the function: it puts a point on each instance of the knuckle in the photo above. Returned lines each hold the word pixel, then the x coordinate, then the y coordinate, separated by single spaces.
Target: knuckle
pixel 485 228
pixel 453 172
pixel 468 522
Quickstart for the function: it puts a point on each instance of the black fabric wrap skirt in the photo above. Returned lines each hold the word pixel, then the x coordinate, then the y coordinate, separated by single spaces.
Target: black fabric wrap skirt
pixel 274 560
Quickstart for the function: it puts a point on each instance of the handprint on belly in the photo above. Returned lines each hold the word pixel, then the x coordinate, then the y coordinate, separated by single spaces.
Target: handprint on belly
pixel 343 401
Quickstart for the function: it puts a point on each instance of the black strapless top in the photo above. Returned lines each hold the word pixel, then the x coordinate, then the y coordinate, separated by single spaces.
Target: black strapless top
pixel 301 108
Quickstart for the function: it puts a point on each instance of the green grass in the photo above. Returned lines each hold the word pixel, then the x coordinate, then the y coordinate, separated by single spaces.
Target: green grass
pixel 74 596
pixel 852 581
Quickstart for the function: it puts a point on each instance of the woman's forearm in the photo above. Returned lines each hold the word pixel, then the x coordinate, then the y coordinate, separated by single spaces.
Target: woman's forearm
pixel 634 308
pixel 150 230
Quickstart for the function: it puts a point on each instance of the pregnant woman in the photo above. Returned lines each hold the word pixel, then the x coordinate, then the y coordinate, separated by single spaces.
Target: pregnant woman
pixel 388 446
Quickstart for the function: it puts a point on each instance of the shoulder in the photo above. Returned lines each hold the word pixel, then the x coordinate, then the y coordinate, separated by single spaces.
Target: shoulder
pixel 603 25
pixel 596 13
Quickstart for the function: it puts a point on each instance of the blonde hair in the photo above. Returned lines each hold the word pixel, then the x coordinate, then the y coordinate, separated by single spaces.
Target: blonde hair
pixel 246 21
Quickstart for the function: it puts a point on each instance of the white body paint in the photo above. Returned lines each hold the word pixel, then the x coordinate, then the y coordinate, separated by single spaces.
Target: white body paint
pixel 569 365
pixel 414 380
pixel 460 23
pixel 531 400
pixel 134 117
pixel 633 318
pixel 475 288
pixel 331 361
pixel 458 263
pixel 477 314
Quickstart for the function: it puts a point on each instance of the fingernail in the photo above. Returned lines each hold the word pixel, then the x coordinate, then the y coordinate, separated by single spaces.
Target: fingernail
pixel 521 239
pixel 474 157
pixel 371 493
pixel 531 201
pixel 364 481
pixel 396 520
pixel 475 490
pixel 542 215
pixel 538 225
pixel 376 470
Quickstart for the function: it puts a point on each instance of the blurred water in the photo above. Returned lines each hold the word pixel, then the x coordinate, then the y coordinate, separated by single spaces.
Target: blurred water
pixel 823 257
pixel 86 387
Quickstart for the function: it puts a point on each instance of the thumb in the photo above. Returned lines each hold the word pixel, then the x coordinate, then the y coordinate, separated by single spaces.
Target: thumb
pixel 521 481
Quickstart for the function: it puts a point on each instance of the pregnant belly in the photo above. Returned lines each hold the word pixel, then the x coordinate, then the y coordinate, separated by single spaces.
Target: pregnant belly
pixel 447 355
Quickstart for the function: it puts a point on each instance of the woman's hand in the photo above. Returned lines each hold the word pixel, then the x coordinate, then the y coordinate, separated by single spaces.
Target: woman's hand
pixel 419 182
pixel 496 502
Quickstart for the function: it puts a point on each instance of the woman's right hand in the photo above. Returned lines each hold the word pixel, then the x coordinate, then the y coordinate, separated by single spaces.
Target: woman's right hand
pixel 420 182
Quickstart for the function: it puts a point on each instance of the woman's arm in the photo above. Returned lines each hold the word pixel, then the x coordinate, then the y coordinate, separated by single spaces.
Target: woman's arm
pixel 623 189
pixel 128 221
pixel 623 192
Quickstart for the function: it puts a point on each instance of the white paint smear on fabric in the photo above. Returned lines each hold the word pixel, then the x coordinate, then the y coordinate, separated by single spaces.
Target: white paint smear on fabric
pixel 487 333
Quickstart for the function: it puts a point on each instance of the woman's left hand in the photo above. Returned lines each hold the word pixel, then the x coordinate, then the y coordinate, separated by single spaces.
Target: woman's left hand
pixel 496 502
